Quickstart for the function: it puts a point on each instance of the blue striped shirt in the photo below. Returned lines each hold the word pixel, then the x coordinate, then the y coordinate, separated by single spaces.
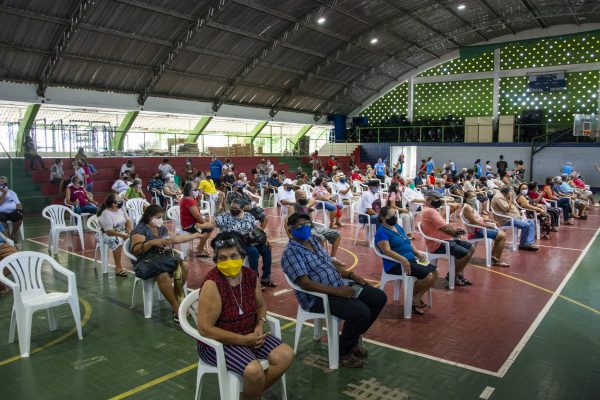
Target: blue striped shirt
pixel 298 261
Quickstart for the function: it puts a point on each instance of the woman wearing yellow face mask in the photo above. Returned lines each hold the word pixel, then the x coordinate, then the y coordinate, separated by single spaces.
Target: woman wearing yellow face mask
pixel 231 310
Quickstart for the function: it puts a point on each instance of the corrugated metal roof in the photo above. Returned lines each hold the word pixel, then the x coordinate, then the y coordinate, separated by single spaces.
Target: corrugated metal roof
pixel 271 53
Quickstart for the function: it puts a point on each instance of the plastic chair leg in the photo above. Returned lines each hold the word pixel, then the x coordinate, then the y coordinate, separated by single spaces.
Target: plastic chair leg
pixel 333 338
pixel 74 303
pixel 80 232
pixel 408 295
pixel 397 285
pixel 489 243
pixel 13 326
pixel 317 327
pixel 104 255
pixel 451 272
pixel 51 319
pixel 24 331
pixel 148 286
pixel 133 292
pixel 199 376
pixel 299 323
pixel 283 387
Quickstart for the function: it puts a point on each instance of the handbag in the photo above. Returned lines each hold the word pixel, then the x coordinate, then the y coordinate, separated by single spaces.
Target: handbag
pixel 155 262
pixel 256 237
pixel 179 281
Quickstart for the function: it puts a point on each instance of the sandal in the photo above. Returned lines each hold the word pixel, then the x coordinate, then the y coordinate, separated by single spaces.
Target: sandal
pixel 350 361
pixel 500 264
pixel 204 254
pixel 122 273
pixel 418 310
pixel 176 318
pixel 267 283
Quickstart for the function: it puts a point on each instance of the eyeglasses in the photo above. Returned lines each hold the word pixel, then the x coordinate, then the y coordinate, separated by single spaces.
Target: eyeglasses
pixel 226 243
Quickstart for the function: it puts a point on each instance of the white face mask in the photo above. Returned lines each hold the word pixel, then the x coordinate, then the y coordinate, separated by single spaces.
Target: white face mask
pixel 171 179
pixel 157 222
pixel 524 192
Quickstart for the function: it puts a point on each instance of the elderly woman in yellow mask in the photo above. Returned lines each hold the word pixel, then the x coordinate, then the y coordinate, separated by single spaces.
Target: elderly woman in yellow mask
pixel 231 310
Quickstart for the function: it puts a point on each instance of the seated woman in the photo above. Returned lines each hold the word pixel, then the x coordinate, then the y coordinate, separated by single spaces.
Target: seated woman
pixel 135 190
pixel 407 219
pixel 171 189
pixel 472 216
pixel 249 202
pixel 543 217
pixel 155 186
pixel 231 310
pixel 191 219
pixel 116 226
pixel 564 203
pixel 151 240
pixel 535 198
pixel 81 200
pixel 210 191
pixel 393 242
pixel 326 200
pixel 57 175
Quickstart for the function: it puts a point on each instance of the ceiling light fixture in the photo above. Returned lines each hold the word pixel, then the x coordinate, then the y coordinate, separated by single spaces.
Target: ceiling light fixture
pixel 321 20
pixel 461 7
pixel 374 40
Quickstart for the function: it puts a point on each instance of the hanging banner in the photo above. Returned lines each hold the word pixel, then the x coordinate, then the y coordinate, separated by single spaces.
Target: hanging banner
pixel 547 82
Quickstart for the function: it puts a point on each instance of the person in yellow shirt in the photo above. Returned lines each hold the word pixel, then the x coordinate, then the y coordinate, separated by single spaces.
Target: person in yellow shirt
pixel 207 187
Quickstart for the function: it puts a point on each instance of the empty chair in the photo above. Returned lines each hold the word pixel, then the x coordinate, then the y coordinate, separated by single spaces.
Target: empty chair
pixel 56 214
pixel 21 229
pixel 29 294
pixel 230 383
pixel 331 321
pixel 135 209
pixel 409 283
pixel 368 226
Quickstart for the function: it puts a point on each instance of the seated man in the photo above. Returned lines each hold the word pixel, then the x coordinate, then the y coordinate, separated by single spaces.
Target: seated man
pixel 285 196
pixel 504 203
pixel 370 204
pixel 155 187
pixel 472 216
pixel 307 264
pixel 10 209
pixel 6 249
pixel 305 206
pixel 121 184
pixel 435 226
pixel 343 189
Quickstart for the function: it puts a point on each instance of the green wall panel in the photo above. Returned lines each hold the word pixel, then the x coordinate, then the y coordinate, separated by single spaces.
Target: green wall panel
pixel 459 99
pixel 393 103
pixel 482 63
pixel 574 49
pixel 581 97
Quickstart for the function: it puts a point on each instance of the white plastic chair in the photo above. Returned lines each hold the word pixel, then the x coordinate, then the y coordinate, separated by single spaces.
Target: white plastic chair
pixel 331 321
pixel 510 227
pixel 174 214
pixel 30 295
pixel 370 228
pixel 84 215
pixel 230 384
pixel 554 203
pixel 147 284
pixel 7 240
pixel 489 243
pixel 155 197
pixel 135 209
pixel 307 189
pixel 168 200
pixel 433 257
pixel 409 283
pixel 535 219
pixel 101 247
pixel 56 214
pixel 21 229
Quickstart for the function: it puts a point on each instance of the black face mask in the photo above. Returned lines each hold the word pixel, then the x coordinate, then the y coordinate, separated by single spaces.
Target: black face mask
pixel 303 201
pixel 235 212
pixel 392 221
pixel 436 203
pixel 119 204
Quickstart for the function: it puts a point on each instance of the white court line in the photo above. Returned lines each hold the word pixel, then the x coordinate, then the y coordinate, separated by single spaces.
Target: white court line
pixel 511 358
pixel 280 292
pixel 558 247
pixel 487 392
pixel 519 347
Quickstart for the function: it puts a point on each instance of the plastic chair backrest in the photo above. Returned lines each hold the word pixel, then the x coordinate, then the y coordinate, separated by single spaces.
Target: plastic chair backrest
pixel 127 250
pixel 173 213
pixel 56 214
pixel 93 225
pixel 26 270
pixel 378 253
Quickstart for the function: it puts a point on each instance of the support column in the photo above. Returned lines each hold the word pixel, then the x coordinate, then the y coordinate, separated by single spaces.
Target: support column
pixel 300 134
pixel 25 127
pixel 496 91
pixel 256 131
pixel 123 129
pixel 411 98
pixel 198 129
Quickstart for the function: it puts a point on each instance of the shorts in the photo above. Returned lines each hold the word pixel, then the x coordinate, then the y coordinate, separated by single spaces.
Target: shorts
pixel 417 270
pixel 321 234
pixel 237 357
pixel 14 216
pixel 478 234
pixel 192 229
pixel 458 248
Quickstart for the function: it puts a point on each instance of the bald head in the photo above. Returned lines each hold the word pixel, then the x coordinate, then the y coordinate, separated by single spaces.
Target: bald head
pixel 300 194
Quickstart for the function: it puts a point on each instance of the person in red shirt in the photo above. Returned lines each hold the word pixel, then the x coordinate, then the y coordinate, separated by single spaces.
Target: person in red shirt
pixel 330 164
pixel 434 226
pixel 431 179
pixel 423 166
pixel 191 219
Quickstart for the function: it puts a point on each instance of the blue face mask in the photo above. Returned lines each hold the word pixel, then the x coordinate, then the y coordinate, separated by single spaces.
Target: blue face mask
pixel 375 190
pixel 302 233
pixel 343 180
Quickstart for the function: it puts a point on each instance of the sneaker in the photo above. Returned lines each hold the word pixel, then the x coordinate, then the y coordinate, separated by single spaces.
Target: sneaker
pixel 464 280
pixel 350 361
pixel 267 283
pixel 360 352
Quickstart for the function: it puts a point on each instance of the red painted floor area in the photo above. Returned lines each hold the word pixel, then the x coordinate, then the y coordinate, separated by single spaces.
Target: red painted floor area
pixel 478 325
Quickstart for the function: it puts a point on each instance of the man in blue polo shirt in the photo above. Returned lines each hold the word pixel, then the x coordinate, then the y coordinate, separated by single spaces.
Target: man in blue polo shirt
pixel 216 166
pixel 430 165
pixel 309 266
pixel 380 170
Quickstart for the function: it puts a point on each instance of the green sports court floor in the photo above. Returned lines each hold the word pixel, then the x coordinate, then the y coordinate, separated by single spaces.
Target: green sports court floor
pixel 124 355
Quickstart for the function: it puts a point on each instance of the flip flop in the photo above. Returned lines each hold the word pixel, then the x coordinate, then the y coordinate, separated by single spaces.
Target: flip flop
pixel 500 264
pixel 122 273
pixel 417 310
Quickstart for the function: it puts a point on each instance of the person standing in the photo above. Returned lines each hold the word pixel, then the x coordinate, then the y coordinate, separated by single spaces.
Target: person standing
pixel 216 167
pixel 502 166
pixel 31 154
pixel 430 165
pixel 380 170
